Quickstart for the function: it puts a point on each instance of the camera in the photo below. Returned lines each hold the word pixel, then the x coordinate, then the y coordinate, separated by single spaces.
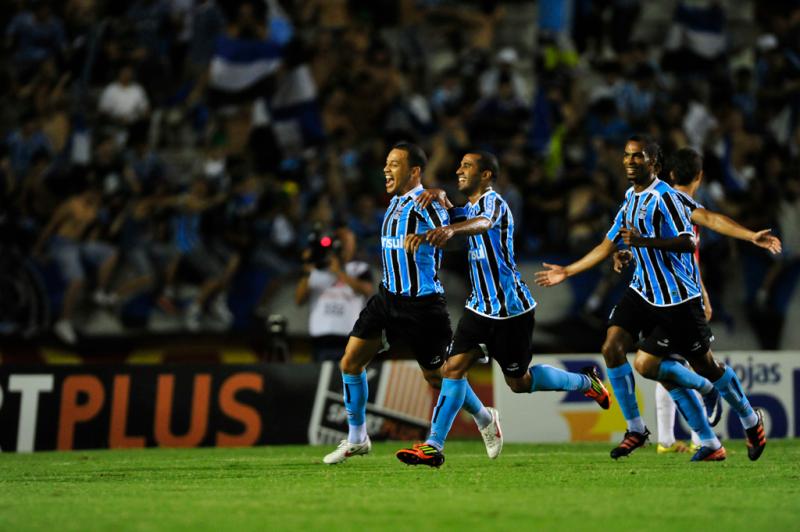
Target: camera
pixel 323 244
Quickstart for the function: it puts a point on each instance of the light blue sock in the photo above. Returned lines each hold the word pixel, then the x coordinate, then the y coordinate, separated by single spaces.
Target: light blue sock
pixel 545 378
pixel 694 413
pixel 451 398
pixel 624 387
pixel 730 389
pixel 474 406
pixel 677 373
pixel 355 402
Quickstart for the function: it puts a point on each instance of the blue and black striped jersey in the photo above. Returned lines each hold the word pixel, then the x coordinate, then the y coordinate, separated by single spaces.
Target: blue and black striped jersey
pixel 404 273
pixel 662 278
pixel 692 205
pixel 498 290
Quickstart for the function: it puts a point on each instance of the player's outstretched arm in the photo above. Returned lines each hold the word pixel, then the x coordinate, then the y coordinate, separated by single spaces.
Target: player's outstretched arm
pixel 555 274
pixel 726 226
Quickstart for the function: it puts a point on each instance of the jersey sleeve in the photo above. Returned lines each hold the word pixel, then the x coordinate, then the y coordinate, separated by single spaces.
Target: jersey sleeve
pixel 434 215
pixel 491 207
pixel 457 214
pixel 619 223
pixel 675 216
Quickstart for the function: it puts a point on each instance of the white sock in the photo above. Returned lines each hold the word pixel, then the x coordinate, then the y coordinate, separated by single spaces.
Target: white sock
pixel 665 416
pixel 750 421
pixel 636 425
pixel 357 433
pixel 482 418
pixel 714 444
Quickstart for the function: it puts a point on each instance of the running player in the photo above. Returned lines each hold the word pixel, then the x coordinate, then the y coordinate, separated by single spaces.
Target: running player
pixel 409 306
pixel 499 316
pixel 686 174
pixel 663 299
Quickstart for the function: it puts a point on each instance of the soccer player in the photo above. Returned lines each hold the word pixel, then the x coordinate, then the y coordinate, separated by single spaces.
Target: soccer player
pixel 663 301
pixel 409 306
pixel 499 315
pixel 686 174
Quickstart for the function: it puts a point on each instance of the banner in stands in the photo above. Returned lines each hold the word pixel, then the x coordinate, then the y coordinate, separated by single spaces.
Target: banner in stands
pixel 770 379
pixel 46 408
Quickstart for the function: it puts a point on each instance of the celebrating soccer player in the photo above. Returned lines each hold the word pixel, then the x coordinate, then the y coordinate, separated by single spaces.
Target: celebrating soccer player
pixel 663 303
pixel 499 316
pixel 409 306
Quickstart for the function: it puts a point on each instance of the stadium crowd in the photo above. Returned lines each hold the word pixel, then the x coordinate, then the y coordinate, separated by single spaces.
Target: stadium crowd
pixel 166 143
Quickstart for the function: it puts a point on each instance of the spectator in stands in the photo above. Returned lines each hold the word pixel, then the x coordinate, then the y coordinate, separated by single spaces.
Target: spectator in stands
pixel 67 238
pixel 25 142
pixel 213 266
pixel 34 36
pixel 124 100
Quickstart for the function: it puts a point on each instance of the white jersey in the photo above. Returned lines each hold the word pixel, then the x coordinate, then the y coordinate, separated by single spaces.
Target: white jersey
pixel 334 305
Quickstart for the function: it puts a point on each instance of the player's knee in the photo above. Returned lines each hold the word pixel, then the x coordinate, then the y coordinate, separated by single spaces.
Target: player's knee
pixel 613 353
pixel 647 367
pixel 518 385
pixel 434 379
pixel 349 365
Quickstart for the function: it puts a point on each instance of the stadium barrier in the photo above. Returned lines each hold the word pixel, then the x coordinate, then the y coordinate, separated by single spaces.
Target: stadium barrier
pixel 771 380
pixel 93 407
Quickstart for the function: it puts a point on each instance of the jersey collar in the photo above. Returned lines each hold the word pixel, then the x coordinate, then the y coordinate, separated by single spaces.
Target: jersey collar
pixel 411 193
pixel 490 189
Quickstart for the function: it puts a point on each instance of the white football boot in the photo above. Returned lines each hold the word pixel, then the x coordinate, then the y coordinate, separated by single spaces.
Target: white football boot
pixel 346 450
pixel 492 434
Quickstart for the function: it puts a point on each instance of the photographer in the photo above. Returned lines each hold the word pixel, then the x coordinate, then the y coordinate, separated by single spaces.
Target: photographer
pixel 337 287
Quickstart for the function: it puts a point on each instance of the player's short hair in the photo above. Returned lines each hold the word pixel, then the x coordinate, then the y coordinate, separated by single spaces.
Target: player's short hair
pixel 487 161
pixel 416 156
pixel 651 148
pixel 685 164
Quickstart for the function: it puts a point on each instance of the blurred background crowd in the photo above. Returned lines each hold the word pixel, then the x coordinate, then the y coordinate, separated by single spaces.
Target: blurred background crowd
pixel 163 162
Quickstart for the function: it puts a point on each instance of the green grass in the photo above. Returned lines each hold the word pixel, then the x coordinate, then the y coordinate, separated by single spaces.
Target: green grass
pixel 542 487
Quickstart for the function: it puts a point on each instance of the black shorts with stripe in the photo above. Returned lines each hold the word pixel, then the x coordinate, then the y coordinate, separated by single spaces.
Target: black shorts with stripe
pixel 509 341
pixel 679 329
pixel 421 323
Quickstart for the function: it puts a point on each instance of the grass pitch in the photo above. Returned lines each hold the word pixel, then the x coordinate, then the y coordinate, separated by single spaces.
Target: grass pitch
pixel 529 487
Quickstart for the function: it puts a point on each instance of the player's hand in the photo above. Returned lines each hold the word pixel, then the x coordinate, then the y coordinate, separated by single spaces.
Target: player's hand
pixel 413 242
pixel 764 239
pixel 631 237
pixel 621 259
pixel 429 195
pixel 553 275
pixel 440 236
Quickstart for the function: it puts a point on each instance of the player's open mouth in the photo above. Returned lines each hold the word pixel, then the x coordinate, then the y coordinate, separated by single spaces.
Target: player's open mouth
pixel 389 182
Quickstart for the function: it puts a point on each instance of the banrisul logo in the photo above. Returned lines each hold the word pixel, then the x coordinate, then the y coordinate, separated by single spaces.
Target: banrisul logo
pixel 586 420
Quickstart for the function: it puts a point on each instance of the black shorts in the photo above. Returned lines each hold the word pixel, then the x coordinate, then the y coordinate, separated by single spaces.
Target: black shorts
pixel 421 323
pixel 678 329
pixel 509 341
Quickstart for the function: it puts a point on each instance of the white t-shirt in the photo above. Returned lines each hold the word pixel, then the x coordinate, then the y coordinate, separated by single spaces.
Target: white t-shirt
pixel 126 103
pixel 334 305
